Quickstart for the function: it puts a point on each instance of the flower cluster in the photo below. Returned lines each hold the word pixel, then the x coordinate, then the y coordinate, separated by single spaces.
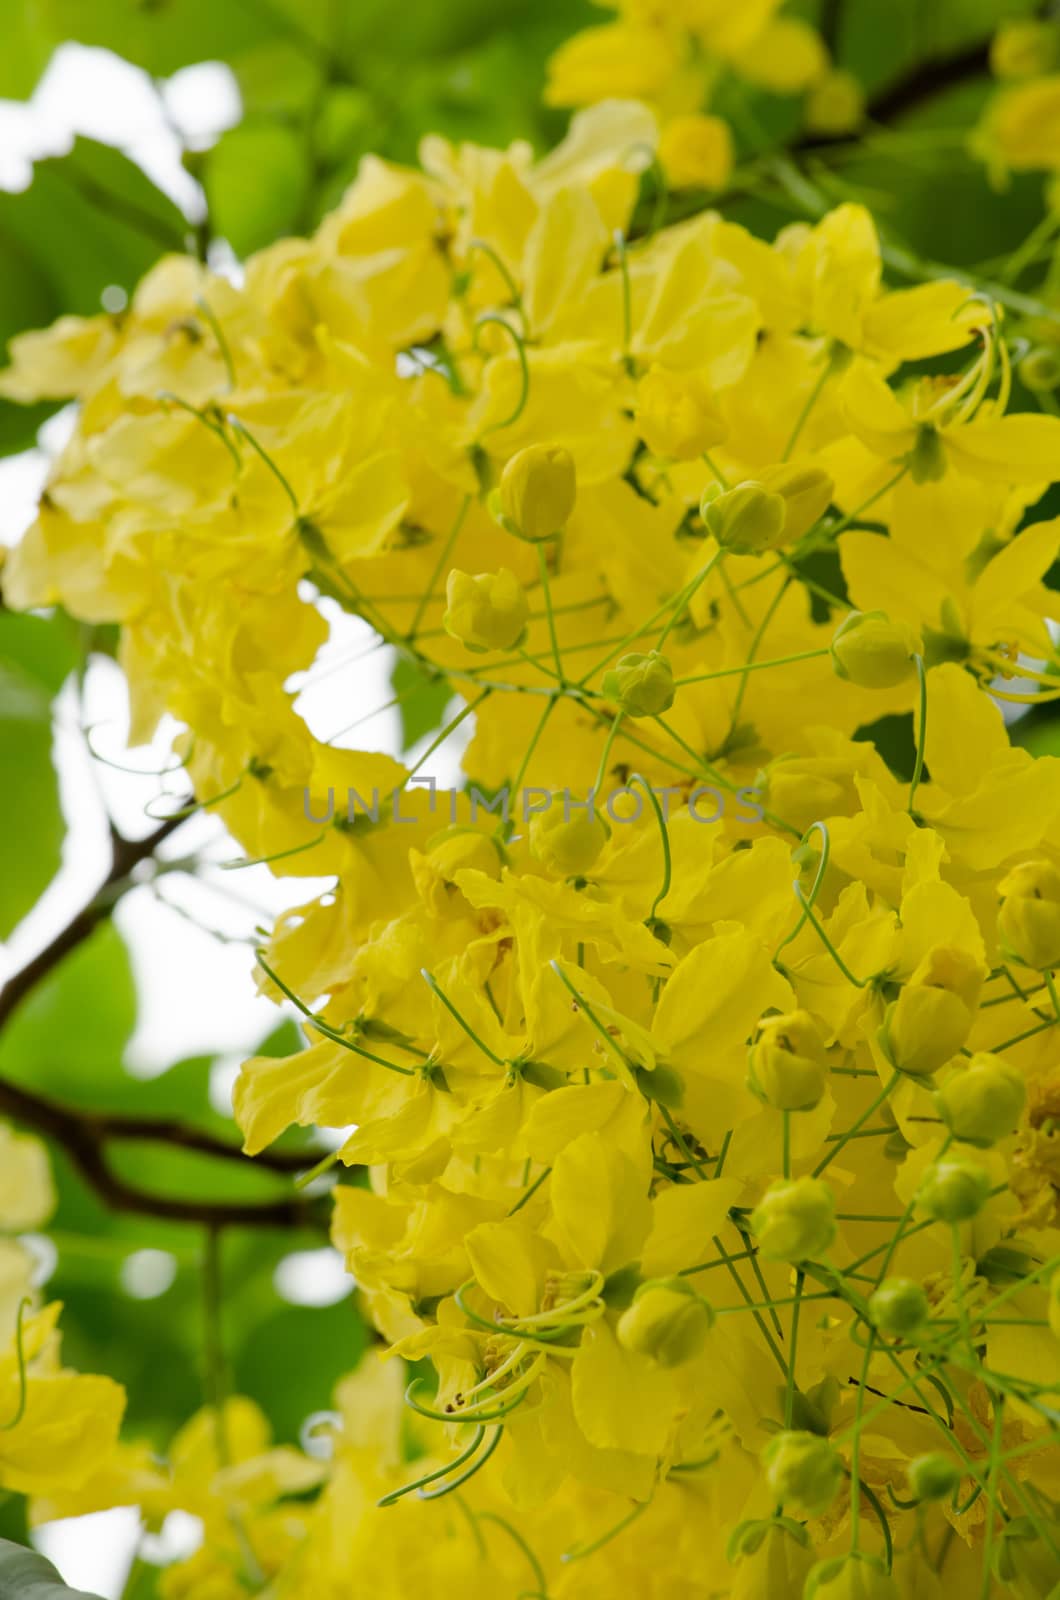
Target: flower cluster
pixel 712 1168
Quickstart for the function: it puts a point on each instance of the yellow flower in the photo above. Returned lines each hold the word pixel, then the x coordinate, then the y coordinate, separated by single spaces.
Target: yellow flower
pixel 1023 47
pixel 537 491
pixel 1028 922
pixel 676 414
pixel 1021 129
pixel 695 152
pixel 618 61
pixel 487 612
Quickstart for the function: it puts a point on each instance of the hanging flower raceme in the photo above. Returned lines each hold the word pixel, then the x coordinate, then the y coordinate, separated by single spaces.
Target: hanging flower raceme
pixel 697 1060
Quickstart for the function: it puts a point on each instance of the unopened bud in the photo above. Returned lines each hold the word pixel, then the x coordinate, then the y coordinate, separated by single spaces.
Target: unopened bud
pixel 795 1220
pixel 747 520
pixel 836 104
pixel 787 1064
pixel 667 1321
pixel 932 1016
pixel 802 1470
pixel 566 840
pixel 981 1102
pixel 1028 923
pixel 1023 48
pixel 1039 371
pixel 695 152
pixel 953 1189
pixel 642 685
pixel 806 492
pixel 487 612
pixel 537 491
pixel 872 651
pixel 899 1307
pixel 932 1476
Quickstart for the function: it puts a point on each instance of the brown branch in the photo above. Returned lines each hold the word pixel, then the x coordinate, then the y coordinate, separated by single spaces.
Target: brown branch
pixel 125 855
pixel 83 1134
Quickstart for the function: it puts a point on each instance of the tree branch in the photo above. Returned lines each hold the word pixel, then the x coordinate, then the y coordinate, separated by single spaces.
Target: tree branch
pixel 83 1135
pixel 125 855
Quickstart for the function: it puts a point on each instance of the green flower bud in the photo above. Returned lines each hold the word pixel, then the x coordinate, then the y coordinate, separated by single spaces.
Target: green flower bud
pixel 933 1476
pixel 747 519
pixel 794 1220
pixel 1039 371
pixel 853 1577
pixel 487 612
pixel 932 1016
pixel 667 1321
pixel 1023 47
pixel 899 1307
pixel 953 1189
pixel 803 1470
pixel 1028 923
pixel 982 1101
pixel 537 491
pixel 566 840
pixel 806 492
pixel 872 651
pixel 787 1063
pixel 642 685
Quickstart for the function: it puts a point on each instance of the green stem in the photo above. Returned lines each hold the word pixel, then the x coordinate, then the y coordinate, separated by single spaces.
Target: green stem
pixel 454 534
pixel 921 738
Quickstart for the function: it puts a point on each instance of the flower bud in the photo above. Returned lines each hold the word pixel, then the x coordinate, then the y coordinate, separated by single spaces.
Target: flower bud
pixel 787 1064
pixel 803 1470
pixel 452 851
pixel 1028 923
pixel 899 1307
pixel 537 491
pixel 932 1016
pixel 1023 48
pixel 667 1321
pixel 642 685
pixel 872 651
pixel 807 494
pixel 748 519
pixel 982 1101
pixel 695 152
pixel 565 839
pixel 836 104
pixel 794 1220
pixel 953 1189
pixel 487 612
pixel 932 1476
pixel 853 1577
pixel 676 415
pixel 1039 371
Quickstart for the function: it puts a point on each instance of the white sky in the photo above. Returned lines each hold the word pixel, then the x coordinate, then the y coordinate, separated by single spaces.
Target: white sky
pixel 93 92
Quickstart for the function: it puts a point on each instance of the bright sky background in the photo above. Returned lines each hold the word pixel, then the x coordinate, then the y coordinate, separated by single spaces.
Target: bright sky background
pixel 93 92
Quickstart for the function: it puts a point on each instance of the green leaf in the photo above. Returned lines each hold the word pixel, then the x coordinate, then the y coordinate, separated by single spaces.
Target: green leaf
pixel 277 1345
pixel 25 1575
pixel 423 703
pixel 68 1036
pixel 257 180
pixel 35 657
pixel 88 219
